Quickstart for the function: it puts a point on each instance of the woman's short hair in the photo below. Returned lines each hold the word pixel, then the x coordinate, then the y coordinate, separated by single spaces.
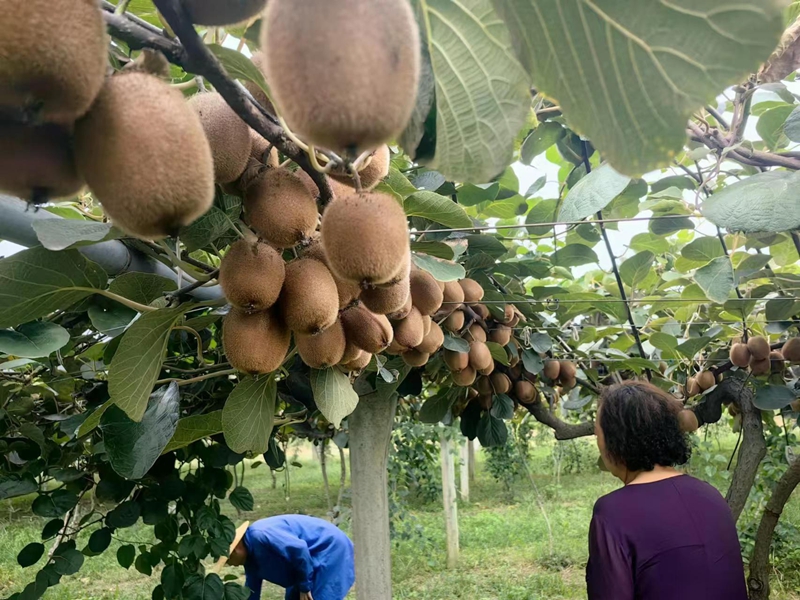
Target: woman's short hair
pixel 640 426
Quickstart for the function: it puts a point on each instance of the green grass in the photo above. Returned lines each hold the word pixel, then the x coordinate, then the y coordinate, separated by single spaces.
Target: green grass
pixel 505 547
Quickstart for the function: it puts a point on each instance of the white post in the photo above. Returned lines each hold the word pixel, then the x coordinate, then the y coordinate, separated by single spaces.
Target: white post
pixel 464 478
pixel 450 505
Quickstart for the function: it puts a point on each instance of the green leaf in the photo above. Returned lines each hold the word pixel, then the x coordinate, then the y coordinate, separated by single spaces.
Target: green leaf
pixel 692 346
pixel 12 486
pixel 625 78
pixel 125 556
pixel 502 407
pixel 593 193
pixel 214 224
pixel 792 125
pixel 234 591
pixel 172 578
pixel 752 264
pixel 702 249
pixel 109 317
pixel 663 341
pixel 242 499
pixel 780 309
pixel 437 249
pixel 36 282
pixel 532 362
pixel 470 195
pixel 573 255
pixel 134 447
pixel 239 66
pixel 773 397
pixel 486 243
pixel 540 139
pixel 62 234
pixel 141 287
pixel 764 202
pixel 37 339
pixel 30 554
pixel 54 505
pixel 52 528
pixel 455 344
pixel 663 227
pixel 498 353
pixel 436 208
pixel 137 362
pixel 124 515
pixel 441 270
pixel 196 427
pixel 770 125
pixel 541 342
pixel 716 279
pixel 396 184
pixel 248 414
pixel 93 420
pixel 543 211
pixel 333 394
pixel 636 268
pixel 492 431
pixel 208 588
pixel 100 540
pixel 436 407
pixel 67 562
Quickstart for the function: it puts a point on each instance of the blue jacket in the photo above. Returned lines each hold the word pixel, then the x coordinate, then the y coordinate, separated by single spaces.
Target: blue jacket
pixel 301 554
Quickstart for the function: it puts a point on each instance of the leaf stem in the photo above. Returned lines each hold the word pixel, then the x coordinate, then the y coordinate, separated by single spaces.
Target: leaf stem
pixel 182 382
pixel 142 308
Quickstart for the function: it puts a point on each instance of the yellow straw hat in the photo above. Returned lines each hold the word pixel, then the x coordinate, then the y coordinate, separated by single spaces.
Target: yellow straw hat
pixel 236 539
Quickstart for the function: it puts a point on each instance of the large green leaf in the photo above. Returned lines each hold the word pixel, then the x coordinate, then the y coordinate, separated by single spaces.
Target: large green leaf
pixel 764 202
pixel 60 234
pixel 492 431
pixel 593 193
pixel 440 269
pixel 573 255
pixel 770 126
pixel 214 224
pixel 109 317
pixel 142 287
pixel 629 73
pixel 133 447
pixel 239 66
pixel 716 279
pixel 543 211
pixel 138 360
pixel 35 282
pixel 436 208
pixel 540 139
pixel 703 249
pixel 37 339
pixel 636 268
pixel 248 414
pixel 436 407
pixel 482 92
pixel 196 427
pixel 334 395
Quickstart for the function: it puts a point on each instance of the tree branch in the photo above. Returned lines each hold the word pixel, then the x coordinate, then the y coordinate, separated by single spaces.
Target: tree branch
pixel 562 429
pixel 751 453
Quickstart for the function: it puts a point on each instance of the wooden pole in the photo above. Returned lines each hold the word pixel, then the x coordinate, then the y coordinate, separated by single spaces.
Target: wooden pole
pixel 450 504
pixel 465 471
pixel 471 450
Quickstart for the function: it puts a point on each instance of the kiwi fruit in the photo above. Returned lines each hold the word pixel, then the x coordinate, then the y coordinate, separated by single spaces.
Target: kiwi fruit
pixel 433 340
pixel 500 335
pixel 144 155
pixel 687 421
pixel 692 387
pixel 358 363
pixel 371 175
pixel 403 312
pixel 501 383
pixel 480 357
pixel 566 371
pixel 515 372
pixel 348 291
pixel 410 331
pixel 222 12
pixel 485 401
pixel 351 352
pixel 795 406
pixel 465 377
pixel 415 358
pixel 426 324
pixel 386 300
pixel 508 314
pixel 261 151
pixel 255 90
pixel 760 366
pixel 228 136
pixel 454 322
pixel 370 332
pixel 52 58
pixel 777 362
pixel 365 237
pixel 483 385
pixel 706 380
pixel 473 292
pixel 476 333
pixel 525 391
pixel 395 349
pixel 251 275
pixel 552 369
pixel 452 295
pixel 514 322
pixel 456 361
pixel 37 163
pixel 279 208
pixel 740 355
pixel 339 189
pixel 324 349
pixel 255 342
pixel 568 383
pixel 791 350
pixel 309 301
pixel 361 56
pixel 759 348
pixel 487 370
pixel 150 61
pixel 425 292
pixel 482 311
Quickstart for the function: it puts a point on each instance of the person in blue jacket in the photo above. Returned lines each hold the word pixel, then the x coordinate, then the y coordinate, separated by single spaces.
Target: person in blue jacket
pixel 310 557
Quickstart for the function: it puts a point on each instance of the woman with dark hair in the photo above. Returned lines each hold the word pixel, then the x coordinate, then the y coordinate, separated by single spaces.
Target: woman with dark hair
pixel 664 535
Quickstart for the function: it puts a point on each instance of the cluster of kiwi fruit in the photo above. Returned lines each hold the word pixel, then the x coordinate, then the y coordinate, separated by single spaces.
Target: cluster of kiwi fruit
pixel 761 359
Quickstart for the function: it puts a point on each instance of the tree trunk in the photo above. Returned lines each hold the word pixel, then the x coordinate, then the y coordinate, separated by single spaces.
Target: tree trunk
pixel 274 479
pixel 465 474
pixel 450 504
pixel 751 453
pixel 370 434
pixel 471 446
pixel 758 581
pixel 342 482
pixel 323 465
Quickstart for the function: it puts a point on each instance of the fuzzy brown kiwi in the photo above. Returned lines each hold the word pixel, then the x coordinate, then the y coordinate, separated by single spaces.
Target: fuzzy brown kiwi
pixel 144 155
pixel 791 350
pixel 309 302
pixel 433 340
pixel 373 173
pixel 262 151
pixel 410 331
pixel 473 292
pixel 365 237
pixel 692 387
pixel 552 369
pixel 254 89
pixel 53 58
pixel 480 357
pixel 222 12
pixel 426 324
pixel 251 275
pixel 386 300
pixel 456 361
pixel 795 406
pixel 279 208
pixel 228 136
pixel 483 385
pixel 482 311
pixel 403 312
pixel 324 349
pixel 485 401
pixel 415 358
pixel 508 314
pixel 361 56
pixel 501 383
pixel 370 332
pixel 487 370
pixel 455 322
pixel 525 391
pixel 476 333
pixel 255 343
pixel 759 347
pixel 500 335
pixel 465 377
pixel 395 349
pixel 687 421
pixel 515 372
pixel 740 355
pixel 760 367
pixel 777 362
pixel 348 291
pixel 566 371
pixel 452 296
pixel 37 163
pixel 425 292
pixel 351 353
pixel 706 380
pixel 339 189
pixel 358 363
